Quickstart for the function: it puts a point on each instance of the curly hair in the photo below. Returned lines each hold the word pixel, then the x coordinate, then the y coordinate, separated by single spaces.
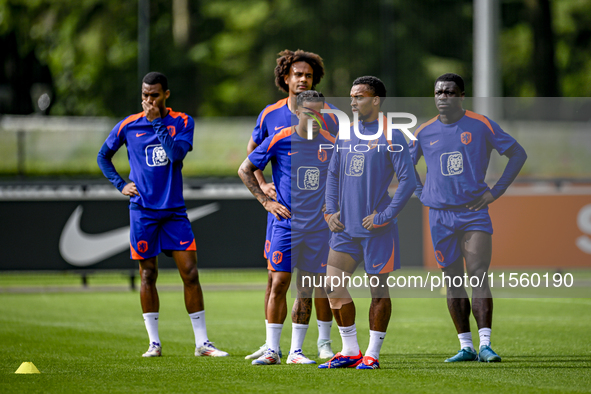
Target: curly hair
pixel 287 58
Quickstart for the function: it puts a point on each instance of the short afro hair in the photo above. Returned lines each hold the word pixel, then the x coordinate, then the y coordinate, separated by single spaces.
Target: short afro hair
pixel 375 85
pixel 152 78
pixel 287 58
pixel 451 77
pixel 310 96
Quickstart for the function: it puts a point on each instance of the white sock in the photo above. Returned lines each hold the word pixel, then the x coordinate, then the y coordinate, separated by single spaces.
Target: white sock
pixel 274 335
pixel 198 322
pixel 298 333
pixel 349 337
pixel 266 326
pixel 466 340
pixel 484 334
pixel 151 322
pixel 376 339
pixel 324 328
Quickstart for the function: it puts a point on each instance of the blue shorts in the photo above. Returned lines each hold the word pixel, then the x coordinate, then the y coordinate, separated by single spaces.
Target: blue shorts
pixel 308 251
pixel 448 227
pixel 380 252
pixel 153 231
pixel 269 233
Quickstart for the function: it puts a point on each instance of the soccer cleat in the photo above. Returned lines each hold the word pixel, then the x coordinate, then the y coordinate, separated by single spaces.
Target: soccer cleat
pixel 260 352
pixel 466 354
pixel 340 361
pixel 324 349
pixel 155 350
pixel 369 363
pixel 488 355
pixel 270 357
pixel 298 357
pixel 209 350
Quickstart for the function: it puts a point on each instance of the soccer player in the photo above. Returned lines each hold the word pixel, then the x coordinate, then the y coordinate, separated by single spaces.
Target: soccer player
pixel 295 72
pixel 157 141
pixel 456 145
pixel 300 235
pixel 362 217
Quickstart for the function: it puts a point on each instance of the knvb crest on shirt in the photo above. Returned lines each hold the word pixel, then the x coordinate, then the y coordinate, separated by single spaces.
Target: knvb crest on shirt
pixel 466 137
pixel 452 163
pixel 308 178
pixel 322 155
pixel 156 156
pixel 373 144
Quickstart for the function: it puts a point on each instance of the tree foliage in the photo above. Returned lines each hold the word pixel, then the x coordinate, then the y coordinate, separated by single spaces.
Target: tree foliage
pixel 220 54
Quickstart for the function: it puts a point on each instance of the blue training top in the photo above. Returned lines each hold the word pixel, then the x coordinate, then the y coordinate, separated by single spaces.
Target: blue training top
pixel 359 175
pixel 457 157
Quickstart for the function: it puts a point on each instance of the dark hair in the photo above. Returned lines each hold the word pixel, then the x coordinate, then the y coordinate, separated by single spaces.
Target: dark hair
pixel 287 58
pixel 310 96
pixel 152 78
pixel 375 85
pixel 451 77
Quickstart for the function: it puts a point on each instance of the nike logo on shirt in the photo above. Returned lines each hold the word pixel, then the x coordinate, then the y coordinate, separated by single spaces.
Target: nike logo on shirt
pixel 278 127
pixel 139 135
pixel 434 142
pixel 290 153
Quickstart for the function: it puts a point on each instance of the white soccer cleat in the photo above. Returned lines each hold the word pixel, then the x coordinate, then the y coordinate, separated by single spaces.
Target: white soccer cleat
pixel 260 352
pixel 297 357
pixel 155 350
pixel 209 350
pixel 324 349
pixel 270 357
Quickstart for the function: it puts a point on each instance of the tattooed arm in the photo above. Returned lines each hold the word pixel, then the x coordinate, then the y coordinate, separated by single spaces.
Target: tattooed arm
pixel 246 173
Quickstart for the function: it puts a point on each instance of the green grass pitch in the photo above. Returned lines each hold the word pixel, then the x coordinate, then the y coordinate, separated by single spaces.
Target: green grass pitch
pixel 92 341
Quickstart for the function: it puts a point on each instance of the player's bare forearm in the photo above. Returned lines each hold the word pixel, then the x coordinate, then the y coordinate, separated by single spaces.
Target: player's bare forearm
pixel 246 174
pixel 267 188
pixel 258 174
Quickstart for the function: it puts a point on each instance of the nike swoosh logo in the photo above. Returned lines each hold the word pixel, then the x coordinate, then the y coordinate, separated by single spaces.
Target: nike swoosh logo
pixel 139 135
pixel 279 127
pixel 434 142
pixel 290 153
pixel 184 243
pixel 323 265
pixel 377 265
pixel 81 250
